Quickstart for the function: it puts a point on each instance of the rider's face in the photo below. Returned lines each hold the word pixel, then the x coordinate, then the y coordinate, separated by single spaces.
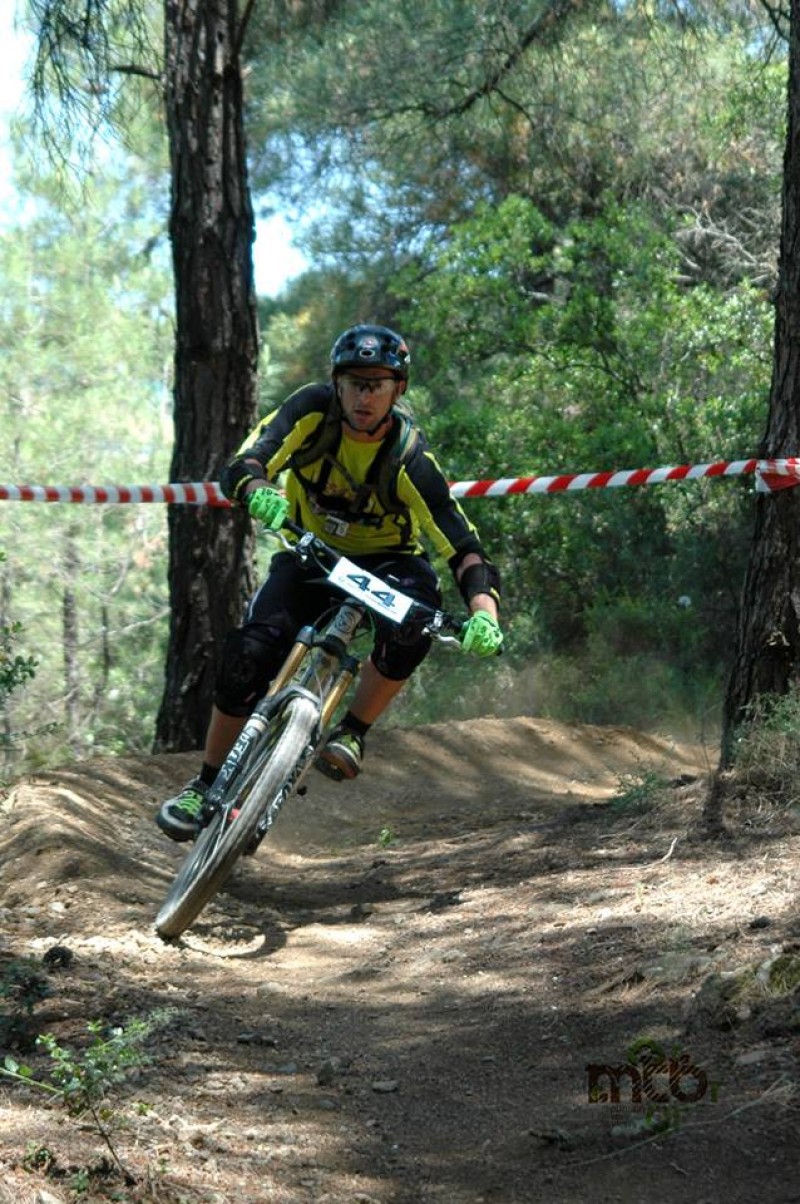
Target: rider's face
pixel 366 396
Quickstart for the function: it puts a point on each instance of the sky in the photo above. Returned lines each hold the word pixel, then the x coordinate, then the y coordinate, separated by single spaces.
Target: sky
pixel 275 259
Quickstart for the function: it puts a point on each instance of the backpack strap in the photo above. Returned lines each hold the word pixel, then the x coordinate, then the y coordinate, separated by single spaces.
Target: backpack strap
pixel 381 480
pixel 324 439
pixel 392 455
pixel 321 444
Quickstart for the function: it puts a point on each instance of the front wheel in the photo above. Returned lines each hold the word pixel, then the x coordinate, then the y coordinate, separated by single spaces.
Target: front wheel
pixel 268 774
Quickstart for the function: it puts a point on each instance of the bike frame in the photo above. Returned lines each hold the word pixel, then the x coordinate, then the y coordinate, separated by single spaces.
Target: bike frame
pixel 318 667
pixel 281 739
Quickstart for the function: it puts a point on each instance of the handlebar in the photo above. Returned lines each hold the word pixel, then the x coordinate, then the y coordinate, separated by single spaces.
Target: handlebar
pixel 311 549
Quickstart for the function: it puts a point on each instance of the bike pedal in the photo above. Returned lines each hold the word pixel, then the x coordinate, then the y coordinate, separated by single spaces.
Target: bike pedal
pixel 329 769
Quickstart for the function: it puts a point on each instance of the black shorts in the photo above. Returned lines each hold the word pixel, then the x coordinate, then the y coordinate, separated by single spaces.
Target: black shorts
pixel 294 595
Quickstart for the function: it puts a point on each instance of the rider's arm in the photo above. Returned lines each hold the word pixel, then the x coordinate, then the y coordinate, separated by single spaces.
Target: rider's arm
pixel 424 488
pixel 267 449
pixel 485 584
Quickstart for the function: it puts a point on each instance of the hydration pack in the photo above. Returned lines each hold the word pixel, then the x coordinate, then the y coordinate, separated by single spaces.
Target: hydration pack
pixel 395 451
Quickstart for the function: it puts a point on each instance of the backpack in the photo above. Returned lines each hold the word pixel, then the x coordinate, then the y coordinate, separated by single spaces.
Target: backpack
pixel 396 451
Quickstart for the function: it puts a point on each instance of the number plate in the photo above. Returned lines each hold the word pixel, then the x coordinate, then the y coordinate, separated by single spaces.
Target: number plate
pixel 378 596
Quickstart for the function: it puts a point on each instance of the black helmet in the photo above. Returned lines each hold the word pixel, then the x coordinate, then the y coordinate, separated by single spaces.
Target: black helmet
pixel 371 347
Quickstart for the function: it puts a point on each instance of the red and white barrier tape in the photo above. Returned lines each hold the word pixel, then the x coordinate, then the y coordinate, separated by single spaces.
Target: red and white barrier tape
pixel 770 475
pixel 777 474
pixel 570 482
pixel 202 493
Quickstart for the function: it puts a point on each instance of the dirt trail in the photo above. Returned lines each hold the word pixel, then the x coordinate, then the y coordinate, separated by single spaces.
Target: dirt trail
pixel 399 1000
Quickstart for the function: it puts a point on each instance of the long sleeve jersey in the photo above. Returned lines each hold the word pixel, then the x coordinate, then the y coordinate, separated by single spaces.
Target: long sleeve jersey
pixel 337 495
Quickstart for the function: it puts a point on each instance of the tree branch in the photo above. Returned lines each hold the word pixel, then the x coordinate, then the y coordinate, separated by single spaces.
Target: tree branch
pixel 779 16
pixel 242 30
pixel 556 12
pixel 134 69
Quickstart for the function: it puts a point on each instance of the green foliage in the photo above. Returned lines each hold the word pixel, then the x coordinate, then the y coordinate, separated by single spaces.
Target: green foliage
pixel 642 691
pixel 15 668
pixel 79 88
pixel 757 985
pixel 86 338
pixel 448 687
pixel 82 1080
pixel 640 663
pixel 587 343
pixel 620 101
pixel 784 974
pixel 580 349
pixel 38 1158
pixel 637 793
pixel 771 733
pixel 766 755
pixel 542 421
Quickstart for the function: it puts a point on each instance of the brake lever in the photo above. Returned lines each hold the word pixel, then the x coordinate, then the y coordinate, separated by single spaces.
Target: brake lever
pixel 436 627
pixel 308 549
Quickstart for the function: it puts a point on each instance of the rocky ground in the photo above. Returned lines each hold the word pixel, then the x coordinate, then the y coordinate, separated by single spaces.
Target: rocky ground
pixel 501 966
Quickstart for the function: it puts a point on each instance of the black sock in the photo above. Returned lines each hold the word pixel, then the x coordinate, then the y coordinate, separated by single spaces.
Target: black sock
pixel 208 773
pixel 357 726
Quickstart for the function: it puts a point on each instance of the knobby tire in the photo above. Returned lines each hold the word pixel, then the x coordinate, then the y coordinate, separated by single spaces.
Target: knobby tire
pixel 269 773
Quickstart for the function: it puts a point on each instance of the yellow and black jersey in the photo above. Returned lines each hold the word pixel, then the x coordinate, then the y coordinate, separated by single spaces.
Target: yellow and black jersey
pixel 341 494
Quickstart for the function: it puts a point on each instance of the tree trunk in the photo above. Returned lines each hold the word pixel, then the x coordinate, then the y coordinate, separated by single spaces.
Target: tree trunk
pixel 5 708
pixel 767 657
pixel 69 634
pixel 216 354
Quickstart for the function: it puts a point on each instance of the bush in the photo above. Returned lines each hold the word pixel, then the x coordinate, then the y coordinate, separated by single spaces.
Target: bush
pixel 643 691
pixel 15 669
pixel 766 759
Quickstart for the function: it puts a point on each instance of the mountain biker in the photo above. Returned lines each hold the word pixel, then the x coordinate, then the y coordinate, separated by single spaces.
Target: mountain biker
pixel 338 443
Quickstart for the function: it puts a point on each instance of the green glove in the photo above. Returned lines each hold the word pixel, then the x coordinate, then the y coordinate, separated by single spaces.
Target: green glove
pixel 481 634
pixel 268 507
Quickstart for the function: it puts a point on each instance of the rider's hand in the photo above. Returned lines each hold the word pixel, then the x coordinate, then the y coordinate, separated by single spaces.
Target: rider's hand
pixel 268 507
pixel 481 634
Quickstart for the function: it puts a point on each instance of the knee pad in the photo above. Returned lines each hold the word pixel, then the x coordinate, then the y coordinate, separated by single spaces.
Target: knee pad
pixel 251 656
pixel 396 654
pixel 400 649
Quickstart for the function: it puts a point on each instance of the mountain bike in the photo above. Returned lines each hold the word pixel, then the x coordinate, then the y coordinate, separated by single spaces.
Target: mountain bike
pixel 282 738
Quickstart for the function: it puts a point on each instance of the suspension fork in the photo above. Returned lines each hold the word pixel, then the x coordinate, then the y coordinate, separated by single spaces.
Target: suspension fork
pixel 344 680
pixel 293 661
pixel 337 638
pixel 335 664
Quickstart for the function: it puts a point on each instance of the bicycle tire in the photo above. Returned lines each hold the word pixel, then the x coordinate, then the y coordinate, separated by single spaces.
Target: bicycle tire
pixel 269 773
